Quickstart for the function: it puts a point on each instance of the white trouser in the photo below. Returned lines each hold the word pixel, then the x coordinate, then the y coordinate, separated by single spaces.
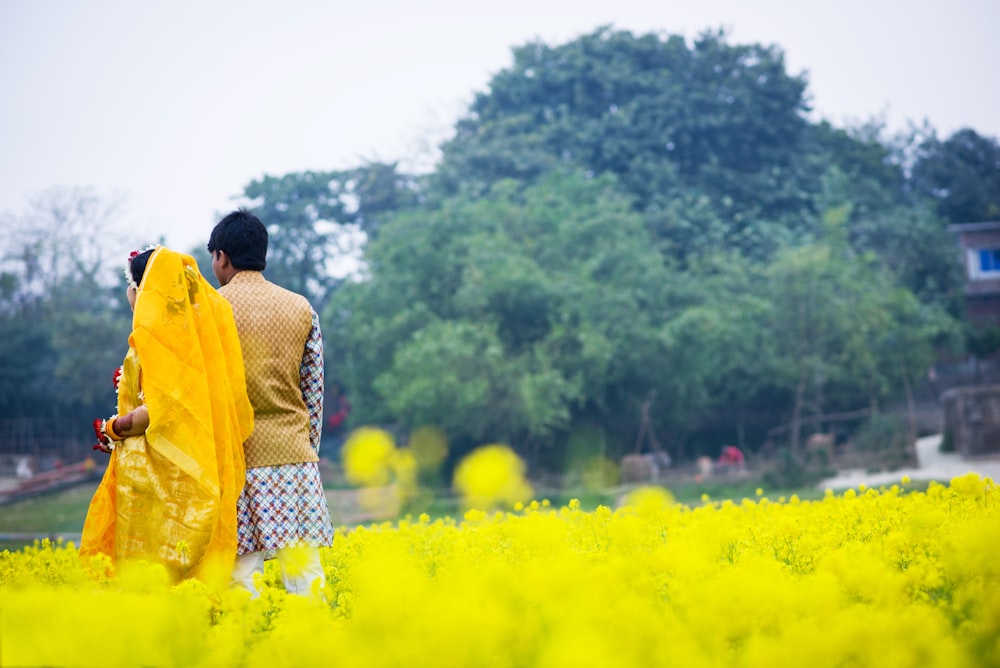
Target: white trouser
pixel 303 562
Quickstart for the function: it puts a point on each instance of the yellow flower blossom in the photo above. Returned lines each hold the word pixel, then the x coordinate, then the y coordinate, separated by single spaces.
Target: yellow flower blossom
pixel 881 577
pixel 429 446
pixel 368 455
pixel 492 475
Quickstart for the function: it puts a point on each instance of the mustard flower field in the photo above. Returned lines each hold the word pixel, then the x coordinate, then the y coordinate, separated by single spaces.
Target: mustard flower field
pixel 888 577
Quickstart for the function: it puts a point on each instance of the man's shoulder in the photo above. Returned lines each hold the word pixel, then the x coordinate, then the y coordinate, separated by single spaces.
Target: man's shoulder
pixel 253 286
pixel 287 295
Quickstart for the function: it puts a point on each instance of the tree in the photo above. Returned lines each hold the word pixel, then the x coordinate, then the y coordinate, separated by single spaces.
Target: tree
pixel 856 165
pixel 917 250
pixel 66 233
pixel 845 328
pixel 722 355
pixel 63 307
pixel 907 348
pixel 962 175
pixel 710 122
pixel 314 217
pixel 908 238
pixel 623 222
pixel 505 316
pixel 26 365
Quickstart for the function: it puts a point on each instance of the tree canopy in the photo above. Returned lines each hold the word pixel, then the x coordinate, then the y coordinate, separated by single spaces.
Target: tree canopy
pixel 505 315
pixel 307 213
pixel 962 175
pixel 622 228
pixel 661 115
pixel 726 192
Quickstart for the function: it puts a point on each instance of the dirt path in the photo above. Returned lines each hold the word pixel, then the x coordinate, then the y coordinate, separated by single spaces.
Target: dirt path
pixel 346 507
pixel 932 464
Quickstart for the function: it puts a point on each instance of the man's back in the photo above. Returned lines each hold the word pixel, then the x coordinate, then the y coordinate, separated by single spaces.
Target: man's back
pixel 282 509
pixel 273 325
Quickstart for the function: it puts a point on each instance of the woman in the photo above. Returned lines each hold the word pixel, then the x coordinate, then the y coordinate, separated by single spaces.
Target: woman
pixel 176 469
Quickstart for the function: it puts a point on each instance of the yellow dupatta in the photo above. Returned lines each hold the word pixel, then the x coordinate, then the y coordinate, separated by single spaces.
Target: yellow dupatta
pixel 170 494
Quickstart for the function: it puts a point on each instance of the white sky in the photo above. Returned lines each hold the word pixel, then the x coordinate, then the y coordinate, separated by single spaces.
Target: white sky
pixel 178 105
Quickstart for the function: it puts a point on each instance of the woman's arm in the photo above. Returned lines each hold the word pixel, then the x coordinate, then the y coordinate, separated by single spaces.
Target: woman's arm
pixel 132 423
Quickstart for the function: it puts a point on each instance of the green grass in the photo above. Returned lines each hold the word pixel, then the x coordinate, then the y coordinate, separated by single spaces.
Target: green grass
pixel 64 511
pixel 688 493
pixel 46 514
pixel 691 492
pixel 58 512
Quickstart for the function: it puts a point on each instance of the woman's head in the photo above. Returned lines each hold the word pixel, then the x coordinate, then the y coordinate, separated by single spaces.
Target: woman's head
pixel 136 268
pixel 137 265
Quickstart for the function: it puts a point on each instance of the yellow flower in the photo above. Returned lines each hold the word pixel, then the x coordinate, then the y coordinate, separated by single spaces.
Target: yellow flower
pixel 368 456
pixel 429 446
pixel 492 475
pixel 970 484
pixel 295 558
pixel 648 500
pixel 872 577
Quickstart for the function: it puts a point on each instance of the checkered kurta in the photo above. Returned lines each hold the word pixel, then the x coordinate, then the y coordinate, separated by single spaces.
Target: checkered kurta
pixel 285 505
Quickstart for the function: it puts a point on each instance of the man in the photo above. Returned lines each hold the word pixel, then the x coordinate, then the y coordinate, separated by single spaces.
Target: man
pixel 282 507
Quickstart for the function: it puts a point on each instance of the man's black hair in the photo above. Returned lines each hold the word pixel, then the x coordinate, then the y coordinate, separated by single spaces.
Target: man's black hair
pixel 242 237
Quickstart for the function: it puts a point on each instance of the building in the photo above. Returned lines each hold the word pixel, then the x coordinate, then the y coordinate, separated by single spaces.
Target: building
pixel 980 245
pixel 972 420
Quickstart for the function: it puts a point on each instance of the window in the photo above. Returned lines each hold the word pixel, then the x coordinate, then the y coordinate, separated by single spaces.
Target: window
pixel 989 259
pixel 984 263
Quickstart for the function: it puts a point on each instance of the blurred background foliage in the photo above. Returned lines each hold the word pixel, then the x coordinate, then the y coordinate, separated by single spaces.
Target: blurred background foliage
pixel 623 231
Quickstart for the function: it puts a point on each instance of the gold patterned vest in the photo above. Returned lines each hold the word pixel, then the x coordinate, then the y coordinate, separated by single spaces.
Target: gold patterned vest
pixel 274 324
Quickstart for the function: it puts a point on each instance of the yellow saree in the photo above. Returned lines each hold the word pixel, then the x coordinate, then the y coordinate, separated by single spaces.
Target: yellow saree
pixel 169 495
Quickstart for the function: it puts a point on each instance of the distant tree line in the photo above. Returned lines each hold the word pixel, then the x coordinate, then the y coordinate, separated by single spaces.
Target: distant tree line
pixel 618 222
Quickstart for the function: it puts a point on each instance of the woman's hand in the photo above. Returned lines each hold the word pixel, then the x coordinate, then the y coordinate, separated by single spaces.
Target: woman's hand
pixel 116 428
pixel 132 423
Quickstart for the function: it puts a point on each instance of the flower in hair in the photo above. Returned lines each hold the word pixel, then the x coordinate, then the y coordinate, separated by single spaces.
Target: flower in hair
pixel 128 265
